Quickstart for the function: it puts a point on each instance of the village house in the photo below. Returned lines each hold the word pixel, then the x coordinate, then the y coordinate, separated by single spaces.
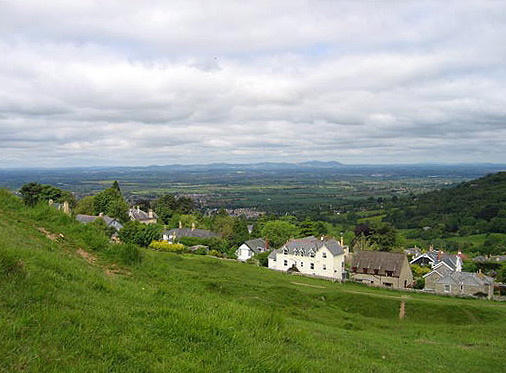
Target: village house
pixel 143 217
pixel 381 268
pixel 459 283
pixel 251 247
pixel 110 222
pixel 173 234
pixel 311 256
pixel 434 258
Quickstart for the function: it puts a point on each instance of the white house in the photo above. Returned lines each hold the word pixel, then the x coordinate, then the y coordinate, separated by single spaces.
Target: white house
pixel 311 256
pixel 250 248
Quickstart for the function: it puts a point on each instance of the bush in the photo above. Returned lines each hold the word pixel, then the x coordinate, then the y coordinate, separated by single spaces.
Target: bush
pixel 165 246
pixel 125 253
pixel 419 284
pixel 215 253
pixel 201 251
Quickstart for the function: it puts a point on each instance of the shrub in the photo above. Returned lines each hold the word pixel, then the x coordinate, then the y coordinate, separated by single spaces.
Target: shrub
pixel 125 253
pixel 419 284
pixel 215 253
pixel 165 246
pixel 201 251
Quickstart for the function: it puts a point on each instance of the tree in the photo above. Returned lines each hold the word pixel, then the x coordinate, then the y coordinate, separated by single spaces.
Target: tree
pixel 240 232
pixel 115 185
pixel 34 193
pixel 103 200
pixel 118 209
pixel 31 193
pixel 278 232
pixel 381 236
pixel 140 234
pixel 85 206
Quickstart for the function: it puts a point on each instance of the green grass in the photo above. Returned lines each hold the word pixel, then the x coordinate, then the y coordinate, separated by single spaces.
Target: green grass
pixel 184 313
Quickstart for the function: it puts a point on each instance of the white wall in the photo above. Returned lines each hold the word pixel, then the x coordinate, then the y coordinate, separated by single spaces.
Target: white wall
pixel 243 252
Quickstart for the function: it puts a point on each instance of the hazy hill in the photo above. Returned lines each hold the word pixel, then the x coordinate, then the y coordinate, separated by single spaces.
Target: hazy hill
pixel 477 206
pixel 66 307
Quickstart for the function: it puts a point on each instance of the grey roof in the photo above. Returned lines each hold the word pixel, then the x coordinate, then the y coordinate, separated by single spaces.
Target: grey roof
pixel 307 244
pixel 256 245
pixel 90 218
pixel 138 214
pixel 273 253
pixel 465 278
pixel 436 257
pixel 378 260
pixel 480 259
pixel 498 258
pixel 188 232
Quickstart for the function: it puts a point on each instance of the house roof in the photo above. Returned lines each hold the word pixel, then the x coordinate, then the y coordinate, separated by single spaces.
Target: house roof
pixel 138 214
pixel 311 243
pixel 436 257
pixel 90 218
pixel 378 260
pixel 188 232
pixel 465 278
pixel 256 245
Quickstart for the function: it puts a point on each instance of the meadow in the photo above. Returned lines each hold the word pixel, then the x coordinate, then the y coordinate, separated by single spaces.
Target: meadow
pixel 67 307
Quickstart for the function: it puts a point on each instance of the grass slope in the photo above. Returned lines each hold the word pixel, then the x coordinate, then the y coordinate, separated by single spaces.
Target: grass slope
pixel 183 313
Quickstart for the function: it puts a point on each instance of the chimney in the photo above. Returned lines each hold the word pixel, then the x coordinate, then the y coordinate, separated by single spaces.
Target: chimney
pixel 180 224
pixel 321 238
pixel 138 208
pixel 267 244
pixel 193 226
pixel 342 241
pixel 101 214
pixel 438 255
pixel 150 213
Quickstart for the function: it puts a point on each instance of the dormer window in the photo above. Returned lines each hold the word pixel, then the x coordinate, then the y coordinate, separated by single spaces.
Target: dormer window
pixel 324 255
pixel 285 251
pixel 364 270
pixel 311 254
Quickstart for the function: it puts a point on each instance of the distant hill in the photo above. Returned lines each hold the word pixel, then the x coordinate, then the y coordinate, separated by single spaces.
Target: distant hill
pixel 473 207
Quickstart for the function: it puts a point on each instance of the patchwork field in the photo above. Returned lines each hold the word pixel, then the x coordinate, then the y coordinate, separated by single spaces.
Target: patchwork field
pixel 64 307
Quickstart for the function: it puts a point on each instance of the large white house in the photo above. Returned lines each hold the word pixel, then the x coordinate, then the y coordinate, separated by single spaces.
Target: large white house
pixel 250 248
pixel 311 256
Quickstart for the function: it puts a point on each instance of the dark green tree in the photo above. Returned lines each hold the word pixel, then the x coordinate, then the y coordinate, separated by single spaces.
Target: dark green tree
pixel 239 232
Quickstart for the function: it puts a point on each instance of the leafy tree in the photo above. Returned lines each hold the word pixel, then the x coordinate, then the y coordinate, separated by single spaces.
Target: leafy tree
pixel 501 274
pixel 240 232
pixel 381 236
pixel 278 232
pixel 85 206
pixel 34 193
pixel 115 185
pixel 140 234
pixel 118 209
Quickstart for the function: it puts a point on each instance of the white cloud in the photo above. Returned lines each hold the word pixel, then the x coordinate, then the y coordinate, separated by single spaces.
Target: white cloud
pixel 88 83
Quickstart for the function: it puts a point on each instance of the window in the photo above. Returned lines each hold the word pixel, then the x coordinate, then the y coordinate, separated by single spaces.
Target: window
pixel 302 264
pixel 354 269
pixel 311 254
pixel 388 284
pixel 324 267
pixel 301 253
pixel 447 288
pixel 285 262
pixel 295 252
pixel 364 270
pixel 324 255
pixel 389 273
pixel 311 266
pixel 376 271
pixel 285 251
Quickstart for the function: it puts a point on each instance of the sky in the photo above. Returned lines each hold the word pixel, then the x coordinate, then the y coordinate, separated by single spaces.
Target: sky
pixel 97 83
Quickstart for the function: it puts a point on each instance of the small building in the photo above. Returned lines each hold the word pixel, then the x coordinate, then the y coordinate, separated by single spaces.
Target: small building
pixel 251 247
pixel 173 234
pixel 310 256
pixel 110 222
pixel 434 257
pixel 143 217
pixel 463 283
pixel 381 268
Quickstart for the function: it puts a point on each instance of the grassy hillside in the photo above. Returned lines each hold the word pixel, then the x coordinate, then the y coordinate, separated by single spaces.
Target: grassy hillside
pixel 64 307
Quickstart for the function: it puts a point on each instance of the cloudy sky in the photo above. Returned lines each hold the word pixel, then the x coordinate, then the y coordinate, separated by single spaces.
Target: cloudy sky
pixel 162 82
